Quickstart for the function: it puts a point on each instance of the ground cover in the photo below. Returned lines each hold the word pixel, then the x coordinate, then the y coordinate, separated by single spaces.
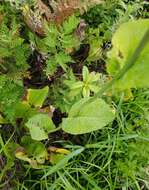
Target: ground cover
pixel 74 97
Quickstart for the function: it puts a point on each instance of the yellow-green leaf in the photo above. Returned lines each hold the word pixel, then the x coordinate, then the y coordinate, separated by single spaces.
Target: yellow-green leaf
pixel 86 117
pixel 39 126
pixel 125 41
pixel 36 97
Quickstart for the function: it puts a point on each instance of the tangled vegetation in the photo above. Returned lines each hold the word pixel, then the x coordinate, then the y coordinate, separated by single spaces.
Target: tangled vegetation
pixel 74 95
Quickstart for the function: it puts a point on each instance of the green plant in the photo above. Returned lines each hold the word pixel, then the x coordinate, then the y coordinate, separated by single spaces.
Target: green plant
pixel 14 53
pixel 131 62
pixel 90 83
pixel 53 124
pixel 58 43
pixel 32 151
pixel 85 118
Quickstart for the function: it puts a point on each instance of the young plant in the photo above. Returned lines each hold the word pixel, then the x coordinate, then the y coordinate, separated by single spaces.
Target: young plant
pixel 58 44
pixel 90 83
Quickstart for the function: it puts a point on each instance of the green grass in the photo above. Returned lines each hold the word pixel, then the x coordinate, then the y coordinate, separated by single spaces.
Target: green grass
pixel 110 159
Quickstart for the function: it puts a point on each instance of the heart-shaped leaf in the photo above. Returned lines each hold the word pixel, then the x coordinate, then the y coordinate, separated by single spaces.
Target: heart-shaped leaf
pixel 36 97
pixel 39 126
pixel 85 117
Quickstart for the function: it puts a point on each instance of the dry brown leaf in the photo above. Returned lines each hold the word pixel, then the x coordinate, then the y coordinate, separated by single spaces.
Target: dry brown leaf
pixel 61 10
pixel 33 21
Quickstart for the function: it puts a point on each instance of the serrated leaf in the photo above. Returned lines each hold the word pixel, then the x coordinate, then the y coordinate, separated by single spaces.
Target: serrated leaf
pixel 125 41
pixel 71 24
pixel 62 58
pixel 51 37
pixel 36 97
pixel 70 41
pixel 87 117
pixel 11 92
pixel 51 66
pixel 39 126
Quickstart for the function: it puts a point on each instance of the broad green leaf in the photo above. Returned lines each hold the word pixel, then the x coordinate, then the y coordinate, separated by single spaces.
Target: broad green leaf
pixel 24 110
pixel 74 111
pixel 95 42
pixel 125 41
pixel 39 126
pixel 9 149
pixel 36 97
pixel 86 117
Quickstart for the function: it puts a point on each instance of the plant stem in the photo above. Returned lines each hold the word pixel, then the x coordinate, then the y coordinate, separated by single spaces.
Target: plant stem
pixel 56 129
